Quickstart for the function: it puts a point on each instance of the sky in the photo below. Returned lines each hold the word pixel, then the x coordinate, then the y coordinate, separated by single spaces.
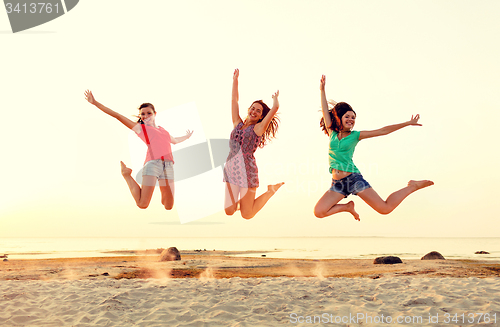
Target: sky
pixel 389 59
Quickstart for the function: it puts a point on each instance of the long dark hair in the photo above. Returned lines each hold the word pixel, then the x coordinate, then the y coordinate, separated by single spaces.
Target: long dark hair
pixel 145 105
pixel 336 111
pixel 272 128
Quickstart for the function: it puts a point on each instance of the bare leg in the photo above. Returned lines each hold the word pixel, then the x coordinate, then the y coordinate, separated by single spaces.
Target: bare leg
pixel 250 205
pixel 142 196
pixel 231 198
pixel 384 207
pixel 167 193
pixel 329 205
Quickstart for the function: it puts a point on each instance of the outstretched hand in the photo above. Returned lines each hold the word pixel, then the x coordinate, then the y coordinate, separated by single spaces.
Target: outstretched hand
pixel 322 83
pixel 276 103
pixel 414 120
pixel 236 74
pixel 189 133
pixel 89 97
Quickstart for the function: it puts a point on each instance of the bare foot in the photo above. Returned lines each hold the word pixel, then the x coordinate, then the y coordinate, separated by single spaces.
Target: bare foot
pixel 125 170
pixel 420 184
pixel 350 208
pixel 274 188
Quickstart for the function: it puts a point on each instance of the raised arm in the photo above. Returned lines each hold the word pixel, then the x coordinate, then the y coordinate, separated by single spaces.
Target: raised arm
pixel 261 127
pixel 235 108
pixel 175 140
pixel 324 104
pixel 389 129
pixel 124 120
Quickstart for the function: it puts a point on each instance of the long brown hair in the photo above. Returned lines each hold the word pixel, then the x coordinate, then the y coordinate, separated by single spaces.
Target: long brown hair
pixel 272 128
pixel 336 111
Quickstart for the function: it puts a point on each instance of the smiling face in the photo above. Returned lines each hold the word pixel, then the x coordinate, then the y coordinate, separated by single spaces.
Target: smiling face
pixel 147 115
pixel 255 112
pixel 348 120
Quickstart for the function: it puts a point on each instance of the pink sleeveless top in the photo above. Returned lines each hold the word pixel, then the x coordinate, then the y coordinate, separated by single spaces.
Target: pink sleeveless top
pixel 158 142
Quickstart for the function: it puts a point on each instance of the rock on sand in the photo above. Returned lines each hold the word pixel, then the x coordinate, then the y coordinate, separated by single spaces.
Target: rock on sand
pixel 434 255
pixel 389 260
pixel 170 254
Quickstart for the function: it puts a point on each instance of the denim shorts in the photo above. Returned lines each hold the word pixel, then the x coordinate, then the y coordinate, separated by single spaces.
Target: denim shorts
pixel 159 168
pixel 352 184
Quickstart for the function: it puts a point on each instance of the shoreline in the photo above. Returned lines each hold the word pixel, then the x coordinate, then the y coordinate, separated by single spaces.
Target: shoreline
pixel 224 264
pixel 274 254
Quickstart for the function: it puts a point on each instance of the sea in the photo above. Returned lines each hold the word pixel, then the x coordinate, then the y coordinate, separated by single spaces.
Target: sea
pixel 271 247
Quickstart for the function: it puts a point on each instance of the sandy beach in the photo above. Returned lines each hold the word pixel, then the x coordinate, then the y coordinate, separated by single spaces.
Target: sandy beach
pixel 213 289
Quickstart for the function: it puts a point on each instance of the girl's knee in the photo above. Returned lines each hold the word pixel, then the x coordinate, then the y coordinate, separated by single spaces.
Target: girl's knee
pixel 229 211
pixel 384 210
pixel 142 205
pixel 319 213
pixel 247 215
pixel 168 204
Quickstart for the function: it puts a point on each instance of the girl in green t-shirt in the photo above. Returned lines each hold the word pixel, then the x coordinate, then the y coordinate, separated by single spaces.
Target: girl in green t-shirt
pixel 338 123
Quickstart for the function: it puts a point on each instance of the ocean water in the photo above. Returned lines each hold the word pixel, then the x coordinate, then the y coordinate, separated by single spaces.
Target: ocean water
pixel 279 247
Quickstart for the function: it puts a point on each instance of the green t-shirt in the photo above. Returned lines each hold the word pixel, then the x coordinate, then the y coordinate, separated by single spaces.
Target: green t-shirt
pixel 341 152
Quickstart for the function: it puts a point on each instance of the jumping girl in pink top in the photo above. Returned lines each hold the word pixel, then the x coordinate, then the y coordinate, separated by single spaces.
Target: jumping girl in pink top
pixel 338 123
pixel 240 171
pixel 159 160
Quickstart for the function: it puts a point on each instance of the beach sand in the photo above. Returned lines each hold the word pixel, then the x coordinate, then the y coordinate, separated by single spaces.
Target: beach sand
pixel 218 290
